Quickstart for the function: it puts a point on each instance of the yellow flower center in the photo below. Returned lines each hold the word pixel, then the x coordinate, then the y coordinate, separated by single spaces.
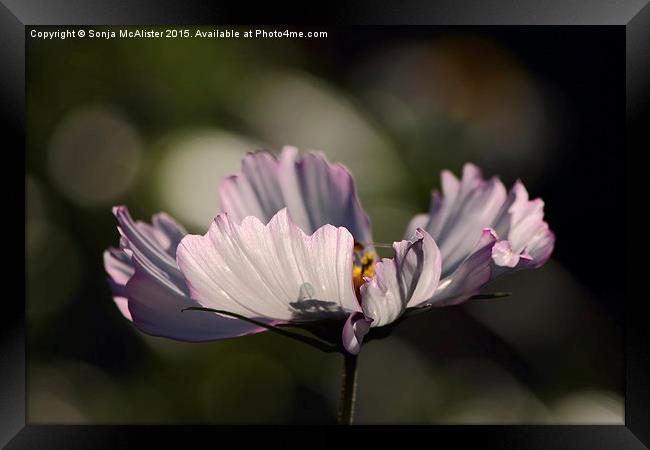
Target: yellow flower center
pixel 364 266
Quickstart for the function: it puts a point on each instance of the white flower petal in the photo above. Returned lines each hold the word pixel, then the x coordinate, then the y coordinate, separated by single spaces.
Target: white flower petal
pixel 408 279
pixel 274 271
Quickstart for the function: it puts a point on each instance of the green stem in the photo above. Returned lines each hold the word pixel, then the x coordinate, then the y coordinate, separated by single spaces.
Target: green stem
pixel 348 390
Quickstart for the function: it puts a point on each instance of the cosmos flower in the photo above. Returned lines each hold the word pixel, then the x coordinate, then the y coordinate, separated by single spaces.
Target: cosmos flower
pixel 293 247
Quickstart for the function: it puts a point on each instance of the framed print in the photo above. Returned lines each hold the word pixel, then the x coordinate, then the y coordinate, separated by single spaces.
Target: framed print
pixel 408 220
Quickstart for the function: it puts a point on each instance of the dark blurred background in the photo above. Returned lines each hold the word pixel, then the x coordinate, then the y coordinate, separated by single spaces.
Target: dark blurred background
pixel 157 124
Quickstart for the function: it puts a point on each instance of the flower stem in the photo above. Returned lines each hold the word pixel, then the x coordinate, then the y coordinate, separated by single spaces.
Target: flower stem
pixel 348 389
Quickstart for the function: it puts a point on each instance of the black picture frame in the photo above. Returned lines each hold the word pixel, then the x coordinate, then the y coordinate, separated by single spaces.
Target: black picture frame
pixel 634 16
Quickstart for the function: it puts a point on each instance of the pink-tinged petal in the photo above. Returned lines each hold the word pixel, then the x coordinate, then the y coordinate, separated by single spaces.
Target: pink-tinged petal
pixel 420 266
pixel 418 221
pixel 503 255
pixel 540 246
pixel 315 192
pixel 473 203
pixel 119 268
pixel 118 265
pixel 274 271
pixel 156 309
pixel 153 245
pixel 256 191
pixel 141 243
pixel 319 193
pixel 354 330
pixel 443 207
pixel 470 275
pixel 408 279
pixel 149 289
pixel 122 304
pixel 163 232
pixel 521 222
pixel 170 232
pixel 478 202
pixel 457 217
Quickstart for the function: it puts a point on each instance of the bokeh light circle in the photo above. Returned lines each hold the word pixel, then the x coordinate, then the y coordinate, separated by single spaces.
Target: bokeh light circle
pixel 93 155
pixel 194 165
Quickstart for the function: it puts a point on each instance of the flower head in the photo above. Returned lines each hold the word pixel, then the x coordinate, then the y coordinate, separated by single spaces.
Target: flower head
pixel 293 247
